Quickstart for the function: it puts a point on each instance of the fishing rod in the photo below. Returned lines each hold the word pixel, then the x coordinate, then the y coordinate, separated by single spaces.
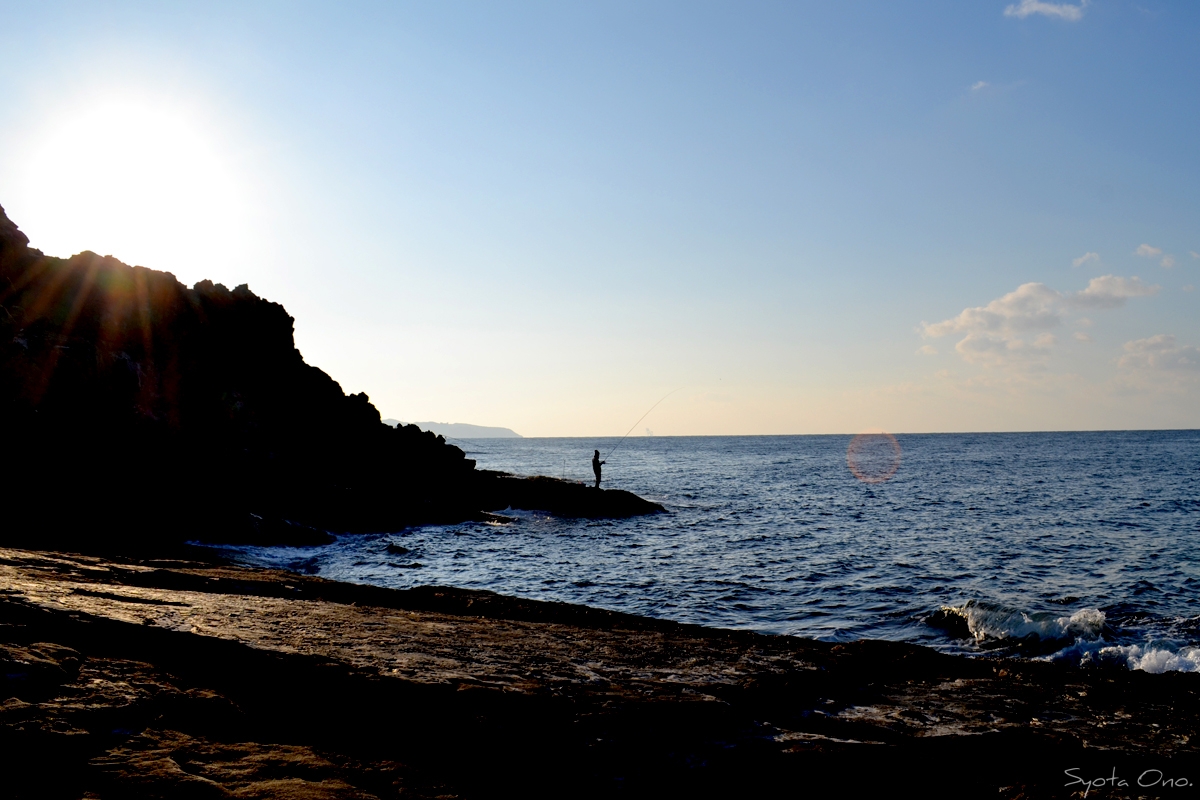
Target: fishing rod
pixel 642 417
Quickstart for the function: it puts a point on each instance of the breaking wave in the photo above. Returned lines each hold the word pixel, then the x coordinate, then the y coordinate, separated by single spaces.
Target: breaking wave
pixel 1084 637
pixel 992 625
pixel 1156 658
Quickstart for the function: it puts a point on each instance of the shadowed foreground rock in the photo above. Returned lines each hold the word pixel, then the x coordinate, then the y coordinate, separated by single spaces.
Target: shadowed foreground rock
pixel 178 679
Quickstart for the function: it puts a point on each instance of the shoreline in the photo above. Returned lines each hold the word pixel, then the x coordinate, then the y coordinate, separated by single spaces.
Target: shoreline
pixel 166 677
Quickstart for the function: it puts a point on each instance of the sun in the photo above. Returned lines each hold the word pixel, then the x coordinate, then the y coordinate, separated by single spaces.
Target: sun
pixel 136 178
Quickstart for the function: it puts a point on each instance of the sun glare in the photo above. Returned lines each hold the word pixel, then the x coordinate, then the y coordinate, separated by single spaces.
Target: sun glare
pixel 137 180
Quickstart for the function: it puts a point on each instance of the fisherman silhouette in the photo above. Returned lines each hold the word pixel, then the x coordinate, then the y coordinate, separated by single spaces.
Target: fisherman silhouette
pixel 596 462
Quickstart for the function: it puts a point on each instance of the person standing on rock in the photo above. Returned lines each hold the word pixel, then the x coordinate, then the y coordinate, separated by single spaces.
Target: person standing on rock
pixel 596 462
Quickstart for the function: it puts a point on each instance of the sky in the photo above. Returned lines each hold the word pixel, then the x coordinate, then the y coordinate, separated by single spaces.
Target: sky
pixel 794 217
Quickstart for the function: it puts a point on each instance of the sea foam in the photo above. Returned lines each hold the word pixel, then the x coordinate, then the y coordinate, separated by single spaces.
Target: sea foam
pixel 1155 658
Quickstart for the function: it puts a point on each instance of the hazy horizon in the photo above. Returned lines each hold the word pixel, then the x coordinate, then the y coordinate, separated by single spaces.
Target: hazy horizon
pixel 804 218
pixel 635 434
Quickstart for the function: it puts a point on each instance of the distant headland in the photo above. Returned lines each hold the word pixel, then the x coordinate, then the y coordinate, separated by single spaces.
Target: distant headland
pixel 460 430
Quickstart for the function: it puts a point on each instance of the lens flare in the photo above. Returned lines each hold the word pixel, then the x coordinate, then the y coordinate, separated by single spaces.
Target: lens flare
pixel 873 457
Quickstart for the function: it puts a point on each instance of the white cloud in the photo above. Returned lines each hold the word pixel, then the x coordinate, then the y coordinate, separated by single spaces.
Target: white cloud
pixel 1110 291
pixel 1160 352
pixel 1085 258
pixel 995 333
pixel 1080 336
pixel 1150 251
pixel 1189 288
pixel 1193 254
pixel 1061 10
pixel 1032 305
pixel 978 85
pixel 927 350
pixel 1016 328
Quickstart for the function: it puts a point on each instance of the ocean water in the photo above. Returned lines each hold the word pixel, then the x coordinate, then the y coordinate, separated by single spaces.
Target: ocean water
pixel 1076 546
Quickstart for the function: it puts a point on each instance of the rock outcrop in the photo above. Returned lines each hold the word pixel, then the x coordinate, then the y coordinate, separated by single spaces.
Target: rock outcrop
pixel 138 410
pixel 498 490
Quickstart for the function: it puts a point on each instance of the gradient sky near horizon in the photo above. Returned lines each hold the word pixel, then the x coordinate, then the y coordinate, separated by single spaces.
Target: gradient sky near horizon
pixel 805 217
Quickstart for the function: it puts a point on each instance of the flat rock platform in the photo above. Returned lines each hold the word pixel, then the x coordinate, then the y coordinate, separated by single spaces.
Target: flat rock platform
pixel 125 678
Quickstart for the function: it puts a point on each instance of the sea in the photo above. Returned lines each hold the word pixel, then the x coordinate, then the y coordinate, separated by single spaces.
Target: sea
pixel 1078 547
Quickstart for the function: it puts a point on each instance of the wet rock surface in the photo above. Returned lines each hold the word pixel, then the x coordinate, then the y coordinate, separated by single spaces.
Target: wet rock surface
pixel 127 678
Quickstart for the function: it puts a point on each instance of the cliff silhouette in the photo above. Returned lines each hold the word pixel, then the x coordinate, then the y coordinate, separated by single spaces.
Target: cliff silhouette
pixel 140 410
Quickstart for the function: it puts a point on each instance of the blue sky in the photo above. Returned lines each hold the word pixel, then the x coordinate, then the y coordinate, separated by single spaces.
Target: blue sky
pixel 807 217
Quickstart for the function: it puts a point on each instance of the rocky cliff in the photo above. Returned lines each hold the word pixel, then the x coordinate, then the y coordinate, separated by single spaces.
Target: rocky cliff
pixel 136 408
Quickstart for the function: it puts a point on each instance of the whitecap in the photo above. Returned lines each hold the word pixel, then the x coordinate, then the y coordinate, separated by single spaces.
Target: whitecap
pixel 993 622
pixel 1153 659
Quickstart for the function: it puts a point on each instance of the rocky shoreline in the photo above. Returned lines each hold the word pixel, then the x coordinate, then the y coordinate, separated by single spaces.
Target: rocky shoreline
pixel 189 678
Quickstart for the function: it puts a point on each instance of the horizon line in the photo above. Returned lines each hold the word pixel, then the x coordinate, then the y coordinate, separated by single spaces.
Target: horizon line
pixel 894 433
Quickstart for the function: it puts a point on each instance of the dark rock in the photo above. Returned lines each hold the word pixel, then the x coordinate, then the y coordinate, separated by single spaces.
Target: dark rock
pixel 33 670
pixel 499 490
